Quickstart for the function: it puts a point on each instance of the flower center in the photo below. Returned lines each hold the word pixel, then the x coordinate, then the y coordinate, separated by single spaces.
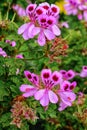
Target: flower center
pixel 39 11
pixel 30 8
pixel 35 78
pixel 85 67
pixel 46 75
pixel 29 76
pixel 49 22
pixel 69 74
pixel 54 9
pixel 55 78
pixel 46 7
pixel 71 87
pixel 66 87
pixel 43 20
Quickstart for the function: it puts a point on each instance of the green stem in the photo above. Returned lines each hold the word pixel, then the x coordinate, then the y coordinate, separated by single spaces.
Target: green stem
pixel 33 58
pixel 7 15
pixel 13 17
pixel 0 16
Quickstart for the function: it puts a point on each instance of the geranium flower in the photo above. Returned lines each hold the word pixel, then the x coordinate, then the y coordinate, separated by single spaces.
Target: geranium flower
pixel 71 7
pixel 43 22
pixel 66 99
pixel 49 80
pixel 77 7
pixel 67 86
pixel 48 87
pixel 42 86
pixel 68 74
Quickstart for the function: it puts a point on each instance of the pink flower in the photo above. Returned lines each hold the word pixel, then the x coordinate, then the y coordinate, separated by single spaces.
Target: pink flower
pixel 49 80
pixel 47 29
pixel 42 89
pixel 83 72
pixel 66 95
pixel 43 22
pixel 2 52
pixel 78 8
pixel 20 56
pixel 67 86
pixel 66 99
pixel 71 7
pixel 48 87
pixel 68 74
pixel 33 78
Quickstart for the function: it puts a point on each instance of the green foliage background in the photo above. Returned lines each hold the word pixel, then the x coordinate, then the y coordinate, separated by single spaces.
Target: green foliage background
pixel 35 60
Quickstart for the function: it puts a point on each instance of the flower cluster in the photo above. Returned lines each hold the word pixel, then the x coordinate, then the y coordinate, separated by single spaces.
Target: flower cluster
pixel 20 11
pixel 43 22
pixel 2 52
pixel 77 7
pixel 21 111
pixel 50 87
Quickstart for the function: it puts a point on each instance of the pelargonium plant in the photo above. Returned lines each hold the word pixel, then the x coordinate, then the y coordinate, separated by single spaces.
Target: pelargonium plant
pixel 77 7
pixel 49 87
pixel 43 21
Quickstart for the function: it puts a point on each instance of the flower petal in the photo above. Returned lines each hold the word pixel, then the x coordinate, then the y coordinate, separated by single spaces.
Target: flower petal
pixel 30 93
pixel 46 75
pixel 25 35
pixel 41 39
pixel 44 101
pixel 62 106
pixel 56 78
pixel 35 30
pixel 49 34
pixel 56 30
pixel 25 87
pixel 31 26
pixel 28 75
pixel 23 28
pixel 52 97
pixel 39 94
pixel 67 97
pixel 35 79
